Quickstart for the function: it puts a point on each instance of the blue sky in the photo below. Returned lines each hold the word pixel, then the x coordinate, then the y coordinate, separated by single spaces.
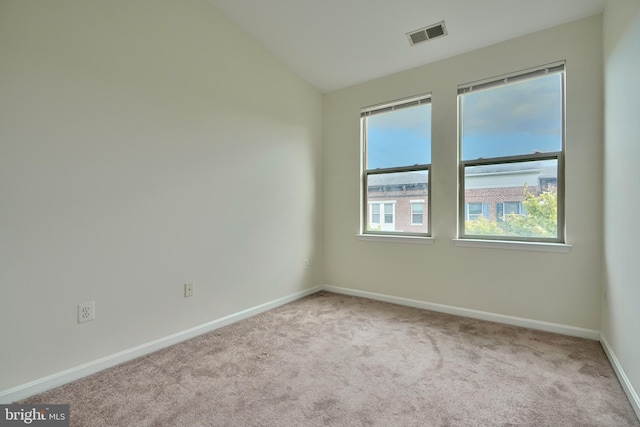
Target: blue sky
pixel 399 138
pixel 513 119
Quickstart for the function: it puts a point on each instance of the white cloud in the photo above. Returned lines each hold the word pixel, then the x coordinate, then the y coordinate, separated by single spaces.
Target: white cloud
pixel 531 106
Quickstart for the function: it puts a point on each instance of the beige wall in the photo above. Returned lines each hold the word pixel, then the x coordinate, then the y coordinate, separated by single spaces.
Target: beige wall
pixel 151 143
pixel 145 144
pixel 549 287
pixel 621 305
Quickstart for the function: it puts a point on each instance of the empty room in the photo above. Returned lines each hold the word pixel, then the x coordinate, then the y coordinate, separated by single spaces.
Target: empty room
pixel 304 212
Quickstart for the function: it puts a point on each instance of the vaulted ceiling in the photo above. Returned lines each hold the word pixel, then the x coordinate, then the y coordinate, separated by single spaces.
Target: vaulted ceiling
pixel 333 44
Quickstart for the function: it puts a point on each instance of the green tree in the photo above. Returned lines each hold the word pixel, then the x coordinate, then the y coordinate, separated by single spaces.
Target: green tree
pixel 540 219
pixel 483 227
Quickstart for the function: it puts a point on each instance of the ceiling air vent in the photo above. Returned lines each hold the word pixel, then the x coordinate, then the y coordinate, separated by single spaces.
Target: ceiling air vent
pixel 427 33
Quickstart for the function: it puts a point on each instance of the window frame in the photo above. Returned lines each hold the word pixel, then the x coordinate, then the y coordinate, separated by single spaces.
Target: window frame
pixel 366 112
pixel 495 82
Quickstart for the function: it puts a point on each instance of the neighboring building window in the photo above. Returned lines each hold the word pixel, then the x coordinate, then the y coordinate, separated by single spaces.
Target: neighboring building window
pixel 375 213
pixel 475 211
pixel 388 213
pixel 396 150
pixel 382 216
pixel 508 208
pixel 548 183
pixel 512 156
pixel 417 212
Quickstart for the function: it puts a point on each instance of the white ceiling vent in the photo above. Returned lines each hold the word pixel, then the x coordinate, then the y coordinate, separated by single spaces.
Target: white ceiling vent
pixel 427 33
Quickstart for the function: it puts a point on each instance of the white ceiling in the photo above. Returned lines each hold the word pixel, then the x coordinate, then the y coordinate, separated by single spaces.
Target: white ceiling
pixel 333 44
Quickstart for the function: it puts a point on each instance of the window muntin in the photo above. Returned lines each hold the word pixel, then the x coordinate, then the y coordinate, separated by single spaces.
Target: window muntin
pixel 512 146
pixel 396 142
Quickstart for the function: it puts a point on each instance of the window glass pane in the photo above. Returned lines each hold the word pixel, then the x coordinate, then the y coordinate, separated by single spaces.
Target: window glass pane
pixel 509 208
pixel 475 211
pixel 520 188
pixel 512 208
pixel 388 213
pixel 375 213
pixel 514 119
pixel 395 192
pixel 417 211
pixel 475 208
pixel 399 138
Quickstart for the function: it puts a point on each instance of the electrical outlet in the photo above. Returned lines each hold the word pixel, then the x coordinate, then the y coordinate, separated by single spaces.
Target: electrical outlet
pixel 188 290
pixel 306 264
pixel 86 311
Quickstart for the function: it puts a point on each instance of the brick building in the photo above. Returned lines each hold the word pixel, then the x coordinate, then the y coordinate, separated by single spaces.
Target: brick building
pixel 399 201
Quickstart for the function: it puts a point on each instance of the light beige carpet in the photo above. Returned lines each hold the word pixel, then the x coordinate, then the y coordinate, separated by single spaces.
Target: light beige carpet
pixel 336 360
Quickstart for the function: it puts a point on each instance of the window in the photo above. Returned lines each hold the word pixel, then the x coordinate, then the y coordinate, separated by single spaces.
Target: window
pixel 508 208
pixel 396 152
pixel 511 132
pixel 382 216
pixel 475 211
pixel 417 212
pixel 388 213
pixel 375 213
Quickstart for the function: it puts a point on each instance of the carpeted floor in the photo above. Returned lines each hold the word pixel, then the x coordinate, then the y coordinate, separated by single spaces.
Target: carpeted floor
pixel 336 360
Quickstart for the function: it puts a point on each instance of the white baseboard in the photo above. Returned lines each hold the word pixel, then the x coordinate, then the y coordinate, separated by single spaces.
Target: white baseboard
pixel 474 314
pixel 60 378
pixel 622 376
pixel 591 334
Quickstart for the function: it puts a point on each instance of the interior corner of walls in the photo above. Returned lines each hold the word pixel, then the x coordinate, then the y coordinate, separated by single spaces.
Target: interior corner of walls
pixel 627 385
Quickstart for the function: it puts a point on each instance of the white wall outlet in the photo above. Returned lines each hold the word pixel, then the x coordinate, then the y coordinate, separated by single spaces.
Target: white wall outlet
pixel 86 311
pixel 306 264
pixel 188 290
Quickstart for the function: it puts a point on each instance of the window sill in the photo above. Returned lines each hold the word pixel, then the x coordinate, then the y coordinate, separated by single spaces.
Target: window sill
pixel 396 239
pixel 519 246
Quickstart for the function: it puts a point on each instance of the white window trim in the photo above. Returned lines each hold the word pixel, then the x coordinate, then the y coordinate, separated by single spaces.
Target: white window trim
pixel 408 102
pixel 396 238
pixel 560 241
pixel 514 245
